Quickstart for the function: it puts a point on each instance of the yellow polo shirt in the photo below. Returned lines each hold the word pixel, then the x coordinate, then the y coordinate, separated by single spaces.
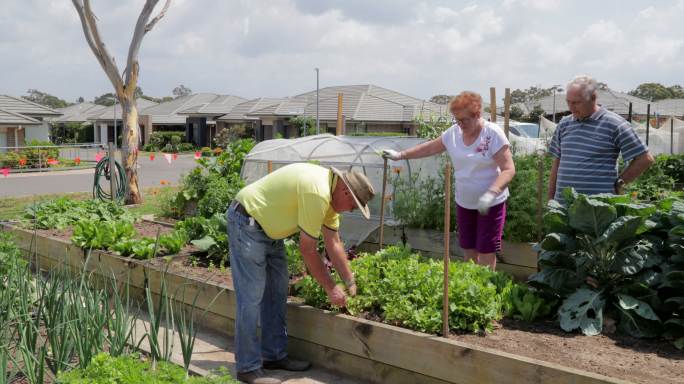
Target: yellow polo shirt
pixel 292 198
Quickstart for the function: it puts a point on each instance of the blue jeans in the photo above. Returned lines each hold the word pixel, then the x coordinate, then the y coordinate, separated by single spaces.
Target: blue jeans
pixel 259 268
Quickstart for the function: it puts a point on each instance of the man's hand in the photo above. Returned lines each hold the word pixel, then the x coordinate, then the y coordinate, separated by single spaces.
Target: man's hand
pixel 485 202
pixel 391 154
pixel 352 289
pixel 337 296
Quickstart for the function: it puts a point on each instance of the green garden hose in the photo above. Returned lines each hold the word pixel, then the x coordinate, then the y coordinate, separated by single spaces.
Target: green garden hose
pixel 120 181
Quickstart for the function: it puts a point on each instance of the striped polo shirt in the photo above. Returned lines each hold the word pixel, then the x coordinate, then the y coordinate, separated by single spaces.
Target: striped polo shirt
pixel 588 150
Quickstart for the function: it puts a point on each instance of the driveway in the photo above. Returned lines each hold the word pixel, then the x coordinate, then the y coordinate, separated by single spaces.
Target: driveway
pixel 150 174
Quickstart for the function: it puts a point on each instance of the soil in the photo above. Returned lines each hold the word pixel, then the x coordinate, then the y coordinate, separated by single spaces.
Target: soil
pixel 143 228
pixel 618 356
pixel 624 357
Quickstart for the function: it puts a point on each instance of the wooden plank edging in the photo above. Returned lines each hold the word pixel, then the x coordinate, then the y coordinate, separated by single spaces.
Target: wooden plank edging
pixel 368 343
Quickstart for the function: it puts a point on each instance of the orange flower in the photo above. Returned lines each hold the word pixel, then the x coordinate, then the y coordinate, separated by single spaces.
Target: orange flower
pixel 22 161
pixel 77 160
pixel 396 170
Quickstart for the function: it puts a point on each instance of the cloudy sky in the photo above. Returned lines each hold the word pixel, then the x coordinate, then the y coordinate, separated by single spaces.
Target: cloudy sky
pixel 253 48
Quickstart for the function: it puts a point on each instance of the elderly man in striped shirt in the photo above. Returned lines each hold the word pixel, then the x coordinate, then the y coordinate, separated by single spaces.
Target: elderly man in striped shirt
pixel 587 143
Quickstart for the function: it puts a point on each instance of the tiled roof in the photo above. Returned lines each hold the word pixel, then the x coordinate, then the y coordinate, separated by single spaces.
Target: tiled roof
pixel 25 107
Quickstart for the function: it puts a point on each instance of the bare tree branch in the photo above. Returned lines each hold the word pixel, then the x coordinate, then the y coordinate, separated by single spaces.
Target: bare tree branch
pixel 161 14
pixel 141 28
pixel 92 34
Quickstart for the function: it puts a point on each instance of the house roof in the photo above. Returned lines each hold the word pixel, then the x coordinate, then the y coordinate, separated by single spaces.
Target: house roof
pixel 114 111
pixel 360 102
pixel 168 112
pixel 78 113
pixel 240 111
pixel 669 107
pixel 617 102
pixel 25 107
pixel 12 118
pixel 221 105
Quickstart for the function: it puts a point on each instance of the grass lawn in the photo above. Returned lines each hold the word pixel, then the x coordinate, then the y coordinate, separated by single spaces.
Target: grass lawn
pixel 13 207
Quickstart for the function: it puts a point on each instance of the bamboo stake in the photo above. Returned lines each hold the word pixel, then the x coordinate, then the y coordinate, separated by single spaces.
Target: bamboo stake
pixel 540 198
pixel 270 166
pixel 507 111
pixel 447 225
pixel 382 202
pixel 338 129
pixel 492 104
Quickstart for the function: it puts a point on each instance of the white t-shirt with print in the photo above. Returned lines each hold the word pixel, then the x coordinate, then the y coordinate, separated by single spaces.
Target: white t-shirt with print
pixel 474 167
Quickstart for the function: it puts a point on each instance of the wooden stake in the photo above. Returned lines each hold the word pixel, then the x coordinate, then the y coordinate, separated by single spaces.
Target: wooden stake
pixel 338 130
pixel 112 171
pixel 270 166
pixel 507 111
pixel 382 202
pixel 447 225
pixel 540 195
pixel 492 104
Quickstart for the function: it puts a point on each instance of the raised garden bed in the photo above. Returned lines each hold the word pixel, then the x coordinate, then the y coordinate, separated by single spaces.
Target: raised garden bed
pixel 373 351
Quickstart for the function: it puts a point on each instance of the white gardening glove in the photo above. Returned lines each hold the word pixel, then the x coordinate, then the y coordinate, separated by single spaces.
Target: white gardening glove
pixel 485 202
pixel 391 154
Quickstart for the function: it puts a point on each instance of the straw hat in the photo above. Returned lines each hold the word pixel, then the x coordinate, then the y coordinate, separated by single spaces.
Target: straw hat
pixel 360 187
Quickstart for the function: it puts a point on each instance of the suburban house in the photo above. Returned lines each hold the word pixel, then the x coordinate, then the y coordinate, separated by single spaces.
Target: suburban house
pixel 22 121
pixel 366 109
pixel 239 116
pixel 73 115
pixel 617 102
pixel 200 125
pixel 107 121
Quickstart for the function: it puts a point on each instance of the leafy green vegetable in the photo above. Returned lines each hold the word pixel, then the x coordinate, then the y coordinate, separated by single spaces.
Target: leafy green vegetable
pixel 403 289
pixel 611 256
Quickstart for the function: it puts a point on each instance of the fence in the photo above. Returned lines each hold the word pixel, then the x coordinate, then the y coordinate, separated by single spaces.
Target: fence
pixel 41 158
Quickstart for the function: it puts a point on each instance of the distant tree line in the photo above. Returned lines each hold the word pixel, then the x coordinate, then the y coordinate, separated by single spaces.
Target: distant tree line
pixel 107 99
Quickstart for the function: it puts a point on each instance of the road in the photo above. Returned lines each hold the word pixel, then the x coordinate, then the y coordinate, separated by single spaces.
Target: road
pixel 150 174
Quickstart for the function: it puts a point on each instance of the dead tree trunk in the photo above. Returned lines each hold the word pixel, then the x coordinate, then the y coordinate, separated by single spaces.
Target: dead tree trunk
pixel 124 86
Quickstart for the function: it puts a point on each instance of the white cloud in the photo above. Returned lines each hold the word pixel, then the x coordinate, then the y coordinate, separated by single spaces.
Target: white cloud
pixel 423 47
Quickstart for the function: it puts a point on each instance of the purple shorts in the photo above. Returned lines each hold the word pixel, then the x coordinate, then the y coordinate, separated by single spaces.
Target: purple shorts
pixel 481 232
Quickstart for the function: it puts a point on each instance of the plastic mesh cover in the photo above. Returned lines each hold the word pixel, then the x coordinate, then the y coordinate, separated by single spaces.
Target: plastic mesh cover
pixel 361 154
pixel 663 139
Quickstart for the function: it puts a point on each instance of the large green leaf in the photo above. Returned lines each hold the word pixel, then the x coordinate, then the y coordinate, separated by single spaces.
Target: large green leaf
pixel 634 325
pixel 675 303
pixel 556 220
pixel 556 259
pixel 591 216
pixel 632 209
pixel 561 280
pixel 632 258
pixel 641 308
pixel 612 199
pixel 673 279
pixel 558 242
pixel 582 310
pixel 204 243
pixel 622 229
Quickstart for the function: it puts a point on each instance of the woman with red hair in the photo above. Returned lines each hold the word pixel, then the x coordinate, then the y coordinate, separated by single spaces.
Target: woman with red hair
pixel 483 168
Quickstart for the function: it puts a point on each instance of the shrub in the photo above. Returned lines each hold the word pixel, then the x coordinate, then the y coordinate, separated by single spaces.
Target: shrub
pixel 220 191
pixel 227 135
pixel 206 152
pixel 10 159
